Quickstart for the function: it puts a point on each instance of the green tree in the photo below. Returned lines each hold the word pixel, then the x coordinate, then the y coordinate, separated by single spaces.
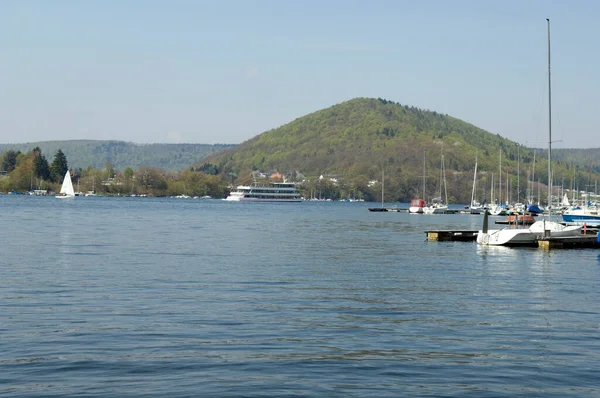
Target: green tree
pixel 152 179
pixel 41 166
pixel 128 173
pixel 22 176
pixel 59 166
pixel 9 160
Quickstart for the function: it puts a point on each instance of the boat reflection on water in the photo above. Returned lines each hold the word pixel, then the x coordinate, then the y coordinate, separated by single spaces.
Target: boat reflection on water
pixel 506 255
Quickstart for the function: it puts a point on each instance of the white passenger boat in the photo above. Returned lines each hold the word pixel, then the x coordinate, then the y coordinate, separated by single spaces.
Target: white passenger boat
pixel 273 192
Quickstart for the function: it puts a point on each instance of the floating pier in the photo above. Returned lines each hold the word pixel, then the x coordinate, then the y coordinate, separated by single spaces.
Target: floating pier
pixel 380 209
pixel 589 241
pixel 452 235
pixel 399 209
pixel 570 242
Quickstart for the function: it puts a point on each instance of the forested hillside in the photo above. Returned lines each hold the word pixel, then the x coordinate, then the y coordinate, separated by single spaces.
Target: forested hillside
pixel 356 139
pixel 338 152
pixel 83 153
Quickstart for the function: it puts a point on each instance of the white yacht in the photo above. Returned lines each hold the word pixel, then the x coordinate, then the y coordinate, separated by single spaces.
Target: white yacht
pixel 526 236
pixel 273 192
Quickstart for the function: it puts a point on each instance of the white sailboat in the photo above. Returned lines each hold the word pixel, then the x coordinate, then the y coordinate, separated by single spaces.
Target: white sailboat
pixel 544 228
pixel 475 207
pixel 417 205
pixel 66 190
pixel 438 206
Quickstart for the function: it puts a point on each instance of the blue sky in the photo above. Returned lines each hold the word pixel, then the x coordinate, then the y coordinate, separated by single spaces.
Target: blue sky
pixel 225 71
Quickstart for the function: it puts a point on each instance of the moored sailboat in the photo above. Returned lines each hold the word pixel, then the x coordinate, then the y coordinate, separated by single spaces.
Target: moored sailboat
pixel 438 206
pixel 417 205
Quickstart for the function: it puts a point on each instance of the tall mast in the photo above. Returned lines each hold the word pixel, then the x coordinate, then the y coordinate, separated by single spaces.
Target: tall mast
pixel 382 181
pixel 549 124
pixel 424 153
pixel 518 173
pixel 444 175
pixel 474 182
pixel 500 179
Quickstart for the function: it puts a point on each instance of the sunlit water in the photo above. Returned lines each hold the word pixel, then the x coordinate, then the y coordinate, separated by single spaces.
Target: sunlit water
pixel 174 297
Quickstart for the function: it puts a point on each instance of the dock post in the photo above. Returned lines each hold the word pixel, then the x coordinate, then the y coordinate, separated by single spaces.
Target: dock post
pixel 485 222
pixel 432 235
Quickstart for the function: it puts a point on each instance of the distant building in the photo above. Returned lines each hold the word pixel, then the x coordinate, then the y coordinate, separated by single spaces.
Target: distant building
pixel 111 181
pixel 331 177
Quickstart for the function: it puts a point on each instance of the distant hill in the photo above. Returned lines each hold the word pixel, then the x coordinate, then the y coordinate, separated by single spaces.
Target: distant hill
pixel 355 139
pixel 81 153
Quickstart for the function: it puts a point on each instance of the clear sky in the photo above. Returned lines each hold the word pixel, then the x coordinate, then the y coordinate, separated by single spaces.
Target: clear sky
pixel 224 71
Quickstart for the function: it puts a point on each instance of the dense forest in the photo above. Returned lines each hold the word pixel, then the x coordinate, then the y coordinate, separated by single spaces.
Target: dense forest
pixel 338 152
pixel 84 153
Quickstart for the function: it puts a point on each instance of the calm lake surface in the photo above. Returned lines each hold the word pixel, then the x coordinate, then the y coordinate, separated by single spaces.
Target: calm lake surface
pixel 187 297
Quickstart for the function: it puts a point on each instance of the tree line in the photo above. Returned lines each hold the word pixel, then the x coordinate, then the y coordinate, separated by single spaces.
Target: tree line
pixel 23 172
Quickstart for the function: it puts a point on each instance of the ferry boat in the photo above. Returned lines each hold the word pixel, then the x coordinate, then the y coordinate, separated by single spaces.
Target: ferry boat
pixel 273 192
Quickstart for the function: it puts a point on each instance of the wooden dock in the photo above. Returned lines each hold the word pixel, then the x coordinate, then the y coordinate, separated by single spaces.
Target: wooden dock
pixel 452 235
pixel 589 241
pixel 399 209
pixel 572 242
pixel 382 209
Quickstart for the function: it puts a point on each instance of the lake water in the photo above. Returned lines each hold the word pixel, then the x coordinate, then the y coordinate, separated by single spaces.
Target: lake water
pixel 173 297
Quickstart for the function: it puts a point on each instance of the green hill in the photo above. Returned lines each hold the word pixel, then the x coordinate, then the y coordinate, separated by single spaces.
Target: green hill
pixel 82 153
pixel 355 139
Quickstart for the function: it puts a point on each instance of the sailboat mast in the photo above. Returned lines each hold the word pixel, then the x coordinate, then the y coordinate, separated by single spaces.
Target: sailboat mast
pixel 444 176
pixel 474 181
pixel 424 154
pixel 549 124
pixel 492 200
pixel 518 173
pixel 500 177
pixel 382 182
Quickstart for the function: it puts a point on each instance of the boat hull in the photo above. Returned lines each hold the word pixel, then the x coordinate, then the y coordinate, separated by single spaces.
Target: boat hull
pixel 238 199
pixel 416 206
pixel 581 219
pixel 527 236
pixel 65 196
pixel 435 209
pixel 507 237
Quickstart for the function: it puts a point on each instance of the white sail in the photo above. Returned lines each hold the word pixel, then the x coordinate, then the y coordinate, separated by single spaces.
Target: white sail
pixel 66 190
